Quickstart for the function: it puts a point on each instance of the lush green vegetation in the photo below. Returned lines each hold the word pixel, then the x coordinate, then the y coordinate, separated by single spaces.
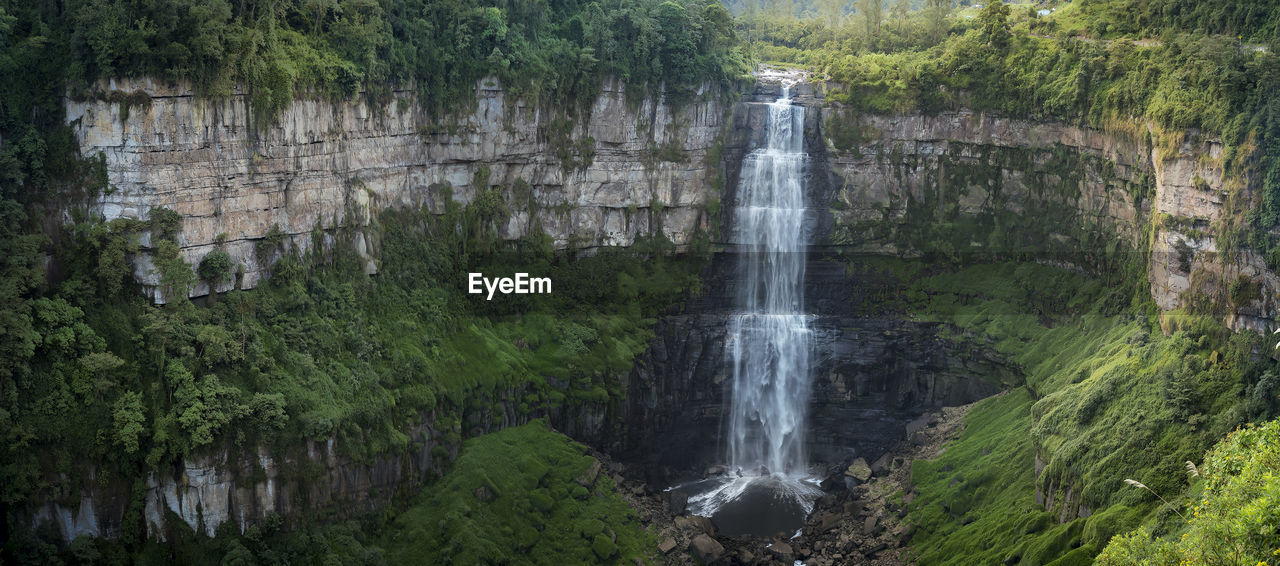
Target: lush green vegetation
pixel 1236 520
pixel 321 350
pixel 1117 65
pixel 1091 372
pixel 543 51
pixel 521 495
pixel 91 372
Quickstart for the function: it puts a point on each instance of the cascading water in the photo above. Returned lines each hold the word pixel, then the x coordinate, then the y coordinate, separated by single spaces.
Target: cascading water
pixel 769 340
pixel 769 344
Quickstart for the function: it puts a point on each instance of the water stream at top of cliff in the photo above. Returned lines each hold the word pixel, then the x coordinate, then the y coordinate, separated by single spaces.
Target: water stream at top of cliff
pixel 766 487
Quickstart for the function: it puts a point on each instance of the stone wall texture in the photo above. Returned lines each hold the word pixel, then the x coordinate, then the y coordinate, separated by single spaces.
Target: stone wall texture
pixel 328 164
pixel 1189 203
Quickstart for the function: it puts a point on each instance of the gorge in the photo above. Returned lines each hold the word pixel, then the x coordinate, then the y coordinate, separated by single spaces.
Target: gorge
pixel 787 321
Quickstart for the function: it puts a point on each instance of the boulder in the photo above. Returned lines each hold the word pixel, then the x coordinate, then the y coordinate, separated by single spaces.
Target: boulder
pixel 782 550
pixel 667 545
pixel 859 470
pixel 677 501
pixel 706 549
pixel 832 482
pixel 696 523
pixel 588 478
pixel 829 521
pixel 870 526
pixel 881 465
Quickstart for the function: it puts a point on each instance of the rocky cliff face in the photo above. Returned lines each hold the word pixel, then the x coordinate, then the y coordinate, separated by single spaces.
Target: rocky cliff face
pixel 874 372
pixel 963 183
pixel 620 170
pixel 244 486
pixel 1070 188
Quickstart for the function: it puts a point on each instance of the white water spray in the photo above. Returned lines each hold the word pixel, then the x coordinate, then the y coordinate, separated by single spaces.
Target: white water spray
pixel 769 341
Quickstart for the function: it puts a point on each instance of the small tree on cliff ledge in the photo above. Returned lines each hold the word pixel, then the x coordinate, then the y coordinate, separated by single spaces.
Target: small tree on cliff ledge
pixel 995 24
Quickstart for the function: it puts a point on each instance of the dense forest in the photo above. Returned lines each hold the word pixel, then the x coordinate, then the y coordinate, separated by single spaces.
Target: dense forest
pixel 1182 67
pixel 91 370
pixel 1167 73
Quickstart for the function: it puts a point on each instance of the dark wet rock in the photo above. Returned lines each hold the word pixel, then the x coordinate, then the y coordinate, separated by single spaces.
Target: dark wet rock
pixel 782 550
pixel 881 465
pixel 827 501
pixel 870 526
pixel 873 374
pixel 829 521
pixel 677 501
pixel 696 523
pixel 706 549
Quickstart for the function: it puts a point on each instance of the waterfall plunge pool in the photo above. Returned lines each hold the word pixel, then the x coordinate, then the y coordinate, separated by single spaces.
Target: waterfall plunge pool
pixel 762 506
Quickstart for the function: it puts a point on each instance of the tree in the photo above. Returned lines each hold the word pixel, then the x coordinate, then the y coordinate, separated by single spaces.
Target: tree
pixel 900 11
pixel 215 268
pixel 129 419
pixel 937 12
pixel 994 20
pixel 98 367
pixel 832 12
pixel 176 276
pixel 873 12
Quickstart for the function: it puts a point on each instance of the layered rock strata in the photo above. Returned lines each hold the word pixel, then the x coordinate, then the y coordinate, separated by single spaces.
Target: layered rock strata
pixel 1071 185
pixel 620 169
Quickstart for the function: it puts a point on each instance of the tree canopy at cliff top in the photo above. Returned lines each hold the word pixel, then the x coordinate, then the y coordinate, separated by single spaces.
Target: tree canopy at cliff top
pixel 1117 65
pixel 277 48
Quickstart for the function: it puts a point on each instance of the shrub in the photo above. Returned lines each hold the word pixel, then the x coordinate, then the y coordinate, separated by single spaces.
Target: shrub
pixel 1238 518
pixel 215 267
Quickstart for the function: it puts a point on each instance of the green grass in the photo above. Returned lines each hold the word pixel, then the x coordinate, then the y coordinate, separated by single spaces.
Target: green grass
pixel 516 496
pixel 1105 398
pixel 1237 519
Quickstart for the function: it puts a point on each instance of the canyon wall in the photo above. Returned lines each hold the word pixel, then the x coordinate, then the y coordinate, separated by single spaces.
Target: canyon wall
pixel 622 169
pixel 903 179
pixel 244 486
pixel 962 183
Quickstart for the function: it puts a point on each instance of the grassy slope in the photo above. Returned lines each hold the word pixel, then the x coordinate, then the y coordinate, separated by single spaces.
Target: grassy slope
pixel 321 350
pixel 512 496
pixel 1105 399
pixel 539 513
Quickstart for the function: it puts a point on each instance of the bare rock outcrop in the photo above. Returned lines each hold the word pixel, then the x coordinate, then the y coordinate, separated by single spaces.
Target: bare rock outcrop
pixel 597 179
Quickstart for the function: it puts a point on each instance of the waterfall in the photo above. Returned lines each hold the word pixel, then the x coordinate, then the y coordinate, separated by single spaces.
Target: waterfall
pixel 769 344
pixel 769 340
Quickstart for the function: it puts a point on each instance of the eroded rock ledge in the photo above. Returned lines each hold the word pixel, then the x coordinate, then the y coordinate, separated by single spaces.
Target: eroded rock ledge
pixel 1070 183
pixel 623 169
